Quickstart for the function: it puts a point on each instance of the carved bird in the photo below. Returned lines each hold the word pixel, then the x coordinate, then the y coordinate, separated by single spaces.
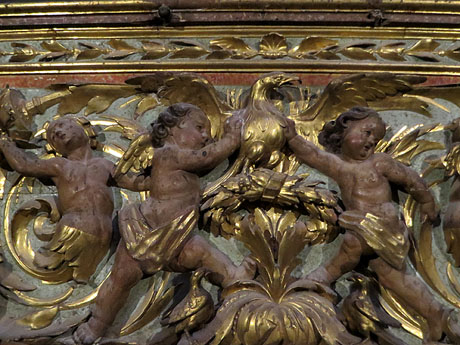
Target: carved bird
pixel 195 309
pixel 364 313
pixel 262 136
pixel 262 131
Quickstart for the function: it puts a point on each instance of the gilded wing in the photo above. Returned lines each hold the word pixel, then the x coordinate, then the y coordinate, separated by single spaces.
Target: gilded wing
pixel 138 156
pixel 128 128
pixel 191 88
pixel 405 144
pixel 378 91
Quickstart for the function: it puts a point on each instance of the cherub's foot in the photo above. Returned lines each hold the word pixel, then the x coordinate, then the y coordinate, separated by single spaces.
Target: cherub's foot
pixel 87 333
pixel 451 326
pixel 245 271
pixel 321 275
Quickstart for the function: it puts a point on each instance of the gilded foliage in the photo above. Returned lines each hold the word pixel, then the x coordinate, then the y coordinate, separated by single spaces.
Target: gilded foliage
pixel 275 307
pixel 271 46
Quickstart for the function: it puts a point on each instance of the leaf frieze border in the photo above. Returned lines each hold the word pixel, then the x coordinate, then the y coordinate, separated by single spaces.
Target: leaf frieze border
pixel 272 46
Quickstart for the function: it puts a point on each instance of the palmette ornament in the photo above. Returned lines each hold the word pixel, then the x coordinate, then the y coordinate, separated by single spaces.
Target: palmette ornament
pixel 275 307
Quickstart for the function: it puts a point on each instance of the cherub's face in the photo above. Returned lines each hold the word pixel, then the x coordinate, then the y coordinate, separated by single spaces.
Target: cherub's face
pixel 66 135
pixel 194 131
pixel 361 137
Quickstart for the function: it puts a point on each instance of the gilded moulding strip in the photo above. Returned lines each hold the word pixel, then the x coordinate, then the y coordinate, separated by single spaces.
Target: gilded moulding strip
pixel 228 31
pixel 233 66
pixel 143 6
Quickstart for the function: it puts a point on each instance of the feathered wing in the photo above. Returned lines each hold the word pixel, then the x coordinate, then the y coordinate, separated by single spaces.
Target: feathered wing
pixel 378 91
pixel 190 88
pixel 138 156
pixel 164 88
pixel 405 144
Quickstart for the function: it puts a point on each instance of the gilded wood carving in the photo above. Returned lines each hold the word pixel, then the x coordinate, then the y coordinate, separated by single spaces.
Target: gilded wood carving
pixel 146 204
pixel 261 200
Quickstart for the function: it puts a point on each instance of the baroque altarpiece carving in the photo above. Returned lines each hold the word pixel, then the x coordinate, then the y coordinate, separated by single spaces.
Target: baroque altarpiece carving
pixel 168 177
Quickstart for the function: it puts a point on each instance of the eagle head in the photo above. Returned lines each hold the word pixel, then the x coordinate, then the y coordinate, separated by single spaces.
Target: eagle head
pixel 267 87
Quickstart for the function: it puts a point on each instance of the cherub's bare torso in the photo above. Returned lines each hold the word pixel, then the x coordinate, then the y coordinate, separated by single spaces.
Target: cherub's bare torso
pixel 83 186
pixel 85 200
pixel 364 186
pixel 173 191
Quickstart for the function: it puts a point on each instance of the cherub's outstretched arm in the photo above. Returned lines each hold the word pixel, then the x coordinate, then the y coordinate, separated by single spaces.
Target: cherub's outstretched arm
pixel 27 163
pixel 211 155
pixel 407 178
pixel 310 154
pixel 133 182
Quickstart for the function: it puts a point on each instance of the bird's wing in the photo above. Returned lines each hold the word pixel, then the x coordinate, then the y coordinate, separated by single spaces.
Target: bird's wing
pixel 371 308
pixel 191 306
pixel 378 91
pixel 190 88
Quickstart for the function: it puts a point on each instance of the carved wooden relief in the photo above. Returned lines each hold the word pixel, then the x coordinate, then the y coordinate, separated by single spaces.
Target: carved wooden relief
pixel 225 185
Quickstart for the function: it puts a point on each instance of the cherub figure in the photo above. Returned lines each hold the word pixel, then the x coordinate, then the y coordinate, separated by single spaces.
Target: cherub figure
pixel 371 221
pixel 157 233
pixel 85 201
pixel 452 217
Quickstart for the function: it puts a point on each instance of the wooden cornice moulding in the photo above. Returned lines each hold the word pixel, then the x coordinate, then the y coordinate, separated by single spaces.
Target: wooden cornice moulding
pixel 112 6
pixel 374 13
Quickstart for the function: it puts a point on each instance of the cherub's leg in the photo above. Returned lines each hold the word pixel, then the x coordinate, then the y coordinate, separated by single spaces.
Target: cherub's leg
pixel 197 252
pixel 413 292
pixel 344 261
pixel 126 273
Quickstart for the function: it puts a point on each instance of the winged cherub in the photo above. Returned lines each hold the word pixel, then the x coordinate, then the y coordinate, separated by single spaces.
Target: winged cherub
pixel 157 233
pixel 85 200
pixel 371 221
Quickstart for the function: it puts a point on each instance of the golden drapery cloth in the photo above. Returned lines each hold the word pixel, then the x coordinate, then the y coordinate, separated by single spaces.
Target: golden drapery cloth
pixel 155 247
pixel 387 237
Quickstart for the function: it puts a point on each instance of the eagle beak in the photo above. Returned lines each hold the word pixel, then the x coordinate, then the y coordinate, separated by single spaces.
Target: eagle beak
pixel 292 81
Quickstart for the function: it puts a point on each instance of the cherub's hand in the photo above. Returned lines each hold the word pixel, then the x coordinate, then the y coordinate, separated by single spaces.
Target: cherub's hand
pixel 233 126
pixel 454 127
pixel 4 139
pixel 289 130
pixel 429 211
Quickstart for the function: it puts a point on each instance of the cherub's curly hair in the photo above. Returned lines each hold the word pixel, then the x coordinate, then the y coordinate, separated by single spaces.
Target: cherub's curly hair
pixel 168 119
pixel 331 135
